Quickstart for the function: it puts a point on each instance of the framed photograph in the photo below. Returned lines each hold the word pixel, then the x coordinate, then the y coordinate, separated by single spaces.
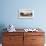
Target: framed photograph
pixel 25 13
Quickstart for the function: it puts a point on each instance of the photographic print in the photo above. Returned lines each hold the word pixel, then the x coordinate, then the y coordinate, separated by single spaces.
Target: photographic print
pixel 25 13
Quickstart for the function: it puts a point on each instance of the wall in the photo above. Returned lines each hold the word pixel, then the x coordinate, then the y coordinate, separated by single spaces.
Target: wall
pixel 9 8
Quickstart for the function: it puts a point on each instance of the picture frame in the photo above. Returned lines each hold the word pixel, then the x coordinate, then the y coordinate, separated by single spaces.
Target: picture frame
pixel 25 13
